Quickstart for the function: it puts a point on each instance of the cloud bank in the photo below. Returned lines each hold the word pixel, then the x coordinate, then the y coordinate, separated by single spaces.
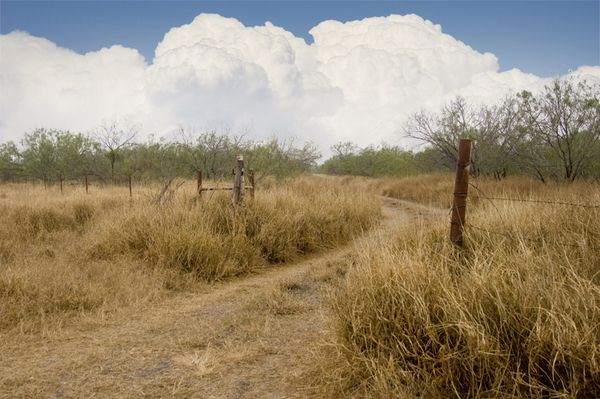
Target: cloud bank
pixel 356 82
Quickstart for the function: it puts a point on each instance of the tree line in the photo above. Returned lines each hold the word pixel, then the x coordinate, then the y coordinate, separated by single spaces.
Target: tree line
pixel 109 154
pixel 552 136
pixel 384 160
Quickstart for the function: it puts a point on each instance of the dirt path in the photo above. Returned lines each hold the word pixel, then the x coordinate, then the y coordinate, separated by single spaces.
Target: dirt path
pixel 251 337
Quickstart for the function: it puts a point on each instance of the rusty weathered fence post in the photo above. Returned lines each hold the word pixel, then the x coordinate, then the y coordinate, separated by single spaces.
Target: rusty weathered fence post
pixel 461 186
pixel 199 175
pixel 86 185
pixel 251 181
pixel 238 184
pixel 130 190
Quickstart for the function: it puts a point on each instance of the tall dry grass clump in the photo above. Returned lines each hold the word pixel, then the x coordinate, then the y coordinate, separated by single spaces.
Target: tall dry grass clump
pixel 45 270
pixel 432 190
pixel 514 314
pixel 309 214
pixel 64 254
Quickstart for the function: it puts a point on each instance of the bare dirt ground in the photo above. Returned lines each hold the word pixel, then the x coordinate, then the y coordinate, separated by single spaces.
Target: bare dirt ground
pixel 256 336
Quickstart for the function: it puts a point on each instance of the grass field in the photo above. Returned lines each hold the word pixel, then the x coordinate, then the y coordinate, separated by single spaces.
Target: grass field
pixel 62 255
pixel 514 314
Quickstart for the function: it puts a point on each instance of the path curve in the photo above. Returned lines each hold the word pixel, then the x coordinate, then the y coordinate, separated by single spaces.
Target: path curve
pixel 250 337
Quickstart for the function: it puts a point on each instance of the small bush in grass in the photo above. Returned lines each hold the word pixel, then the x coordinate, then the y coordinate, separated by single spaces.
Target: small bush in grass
pixel 83 212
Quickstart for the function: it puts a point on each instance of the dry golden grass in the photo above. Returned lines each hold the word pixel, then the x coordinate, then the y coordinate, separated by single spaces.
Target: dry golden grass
pixel 96 253
pixel 514 314
pixel 432 190
pixel 250 336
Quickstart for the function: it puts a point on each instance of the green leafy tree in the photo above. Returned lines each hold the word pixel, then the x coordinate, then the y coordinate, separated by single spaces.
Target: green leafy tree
pixel 554 135
pixel 155 161
pixel 280 157
pixel 380 161
pixel 387 160
pixel 52 154
pixel 343 160
pixel 212 150
pixel 11 168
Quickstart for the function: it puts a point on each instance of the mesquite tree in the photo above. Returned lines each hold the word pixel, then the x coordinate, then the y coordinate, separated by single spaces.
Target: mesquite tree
pixel 114 139
pixel 553 135
pixel 562 129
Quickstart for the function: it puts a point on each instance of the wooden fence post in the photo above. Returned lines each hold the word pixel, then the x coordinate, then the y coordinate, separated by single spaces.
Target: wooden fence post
pixel 238 184
pixel 199 174
pixel 251 179
pixel 461 186
pixel 130 190
pixel 61 188
pixel 86 185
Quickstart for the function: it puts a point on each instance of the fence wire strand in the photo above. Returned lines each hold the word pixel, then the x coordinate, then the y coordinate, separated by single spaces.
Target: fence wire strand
pixel 528 200
pixel 535 240
pixel 511 237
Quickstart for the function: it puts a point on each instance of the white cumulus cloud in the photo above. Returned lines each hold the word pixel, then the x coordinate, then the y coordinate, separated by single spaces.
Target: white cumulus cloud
pixel 354 83
pixel 43 85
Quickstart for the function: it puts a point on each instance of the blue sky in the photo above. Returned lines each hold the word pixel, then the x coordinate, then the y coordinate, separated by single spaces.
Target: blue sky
pixel 545 38
pixel 366 67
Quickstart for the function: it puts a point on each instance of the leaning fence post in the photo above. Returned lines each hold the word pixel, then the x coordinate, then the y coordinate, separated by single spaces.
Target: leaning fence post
pixel 199 174
pixel 239 180
pixel 461 186
pixel 251 180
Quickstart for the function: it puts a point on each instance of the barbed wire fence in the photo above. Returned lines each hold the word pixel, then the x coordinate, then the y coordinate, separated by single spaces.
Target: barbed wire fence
pixel 522 200
pixel 459 205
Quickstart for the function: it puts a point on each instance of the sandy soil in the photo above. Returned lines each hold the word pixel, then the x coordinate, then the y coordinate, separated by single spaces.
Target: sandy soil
pixel 256 336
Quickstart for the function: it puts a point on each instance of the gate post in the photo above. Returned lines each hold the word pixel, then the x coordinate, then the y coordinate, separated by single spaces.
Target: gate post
pixel 199 175
pixel 239 180
pixel 251 178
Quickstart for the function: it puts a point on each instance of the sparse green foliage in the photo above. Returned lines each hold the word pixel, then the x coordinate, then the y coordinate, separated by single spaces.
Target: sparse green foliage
pixel 109 154
pixel 51 154
pixel 114 139
pixel 10 162
pixel 554 135
pixel 281 157
pixel 560 131
pixel 383 160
